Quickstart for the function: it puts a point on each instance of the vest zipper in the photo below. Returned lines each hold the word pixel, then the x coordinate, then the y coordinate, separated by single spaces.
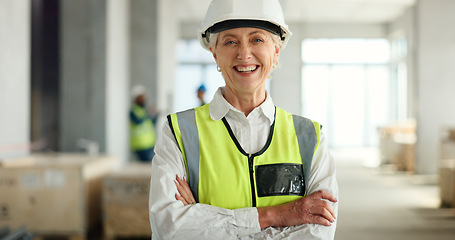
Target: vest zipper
pixel 253 191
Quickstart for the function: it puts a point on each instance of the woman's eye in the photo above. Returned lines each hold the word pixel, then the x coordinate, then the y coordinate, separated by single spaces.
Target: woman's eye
pixel 258 40
pixel 230 42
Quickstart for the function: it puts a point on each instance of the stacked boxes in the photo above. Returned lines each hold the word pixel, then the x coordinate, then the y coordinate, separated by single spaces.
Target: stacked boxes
pixel 397 145
pixel 447 167
pixel 447 183
pixel 125 202
pixel 55 194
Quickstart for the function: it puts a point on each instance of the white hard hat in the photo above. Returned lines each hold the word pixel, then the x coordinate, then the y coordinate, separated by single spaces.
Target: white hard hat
pixel 227 14
pixel 137 91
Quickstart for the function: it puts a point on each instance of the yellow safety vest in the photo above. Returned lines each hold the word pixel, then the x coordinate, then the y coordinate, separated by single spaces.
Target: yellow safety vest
pixel 143 135
pixel 222 174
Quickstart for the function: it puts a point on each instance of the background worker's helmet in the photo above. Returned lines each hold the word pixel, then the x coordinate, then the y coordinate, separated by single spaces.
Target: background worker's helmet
pixel 227 14
pixel 137 91
pixel 202 88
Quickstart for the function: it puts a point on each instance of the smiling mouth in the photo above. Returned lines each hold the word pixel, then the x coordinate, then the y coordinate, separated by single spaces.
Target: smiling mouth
pixel 249 69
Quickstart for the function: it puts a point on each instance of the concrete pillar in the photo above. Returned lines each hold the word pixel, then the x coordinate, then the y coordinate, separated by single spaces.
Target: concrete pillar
pixel 83 73
pixel 154 32
pixel 118 78
pixel 435 78
pixel 168 34
pixel 14 78
pixel 144 46
pixel 95 75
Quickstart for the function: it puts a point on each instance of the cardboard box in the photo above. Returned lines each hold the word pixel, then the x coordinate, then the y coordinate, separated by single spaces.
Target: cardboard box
pixel 447 149
pixel 126 200
pixel 397 144
pixel 405 157
pixel 451 134
pixel 447 183
pixel 54 193
pixel 447 142
pixel 17 162
pixel 387 146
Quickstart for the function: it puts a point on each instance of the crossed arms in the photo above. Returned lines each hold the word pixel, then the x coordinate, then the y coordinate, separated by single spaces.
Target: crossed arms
pixel 173 216
pixel 311 209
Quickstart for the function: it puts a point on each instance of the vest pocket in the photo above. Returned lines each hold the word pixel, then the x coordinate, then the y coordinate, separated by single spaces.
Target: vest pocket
pixel 280 179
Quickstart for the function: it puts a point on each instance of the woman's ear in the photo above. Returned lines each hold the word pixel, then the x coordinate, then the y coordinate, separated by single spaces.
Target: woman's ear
pixel 277 52
pixel 213 53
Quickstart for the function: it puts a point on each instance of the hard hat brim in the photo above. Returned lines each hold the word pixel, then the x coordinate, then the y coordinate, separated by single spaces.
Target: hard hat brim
pixel 245 23
pixel 239 23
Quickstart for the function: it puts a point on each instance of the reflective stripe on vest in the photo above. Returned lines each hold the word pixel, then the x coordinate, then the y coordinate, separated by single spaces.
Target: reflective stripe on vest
pixel 221 173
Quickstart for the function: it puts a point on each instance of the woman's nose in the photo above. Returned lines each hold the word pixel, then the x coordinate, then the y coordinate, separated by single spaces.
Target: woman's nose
pixel 244 52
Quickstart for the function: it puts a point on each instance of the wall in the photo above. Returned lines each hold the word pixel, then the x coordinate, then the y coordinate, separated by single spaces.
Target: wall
pixel 431 54
pixel 14 78
pixel 406 27
pixel 285 83
pixel 435 78
pixel 188 30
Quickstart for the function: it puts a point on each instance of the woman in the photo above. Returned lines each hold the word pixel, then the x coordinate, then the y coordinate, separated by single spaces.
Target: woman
pixel 253 170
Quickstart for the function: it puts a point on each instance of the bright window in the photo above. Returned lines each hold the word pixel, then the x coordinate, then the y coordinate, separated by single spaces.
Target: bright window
pixel 346 87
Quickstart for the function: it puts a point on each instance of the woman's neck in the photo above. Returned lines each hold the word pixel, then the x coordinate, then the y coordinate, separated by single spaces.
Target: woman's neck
pixel 245 101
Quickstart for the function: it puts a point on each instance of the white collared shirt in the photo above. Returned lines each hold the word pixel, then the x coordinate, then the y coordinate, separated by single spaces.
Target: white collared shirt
pixel 256 124
pixel 171 220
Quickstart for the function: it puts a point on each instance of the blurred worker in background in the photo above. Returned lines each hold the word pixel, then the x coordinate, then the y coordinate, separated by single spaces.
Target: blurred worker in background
pixel 142 122
pixel 200 94
pixel 240 167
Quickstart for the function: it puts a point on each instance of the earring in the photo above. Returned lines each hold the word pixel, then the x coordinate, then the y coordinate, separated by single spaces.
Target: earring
pixel 218 68
pixel 274 65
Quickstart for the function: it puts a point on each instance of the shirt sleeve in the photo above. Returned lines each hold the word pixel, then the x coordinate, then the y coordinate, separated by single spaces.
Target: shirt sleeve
pixel 170 219
pixel 322 177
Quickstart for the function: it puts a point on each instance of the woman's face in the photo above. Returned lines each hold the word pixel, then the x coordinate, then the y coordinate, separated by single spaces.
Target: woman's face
pixel 245 57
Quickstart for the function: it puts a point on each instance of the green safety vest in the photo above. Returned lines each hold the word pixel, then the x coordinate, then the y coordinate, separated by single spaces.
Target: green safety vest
pixel 143 135
pixel 221 173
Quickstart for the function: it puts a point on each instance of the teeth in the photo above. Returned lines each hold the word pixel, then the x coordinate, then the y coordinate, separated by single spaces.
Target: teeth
pixel 246 69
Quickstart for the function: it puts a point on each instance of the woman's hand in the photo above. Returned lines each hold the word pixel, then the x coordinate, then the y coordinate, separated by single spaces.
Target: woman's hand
pixel 185 195
pixel 313 208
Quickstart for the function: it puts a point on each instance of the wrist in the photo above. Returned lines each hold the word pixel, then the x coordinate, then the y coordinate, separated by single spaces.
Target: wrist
pixel 266 216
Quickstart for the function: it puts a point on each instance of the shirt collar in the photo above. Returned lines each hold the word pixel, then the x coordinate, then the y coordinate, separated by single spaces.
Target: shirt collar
pixel 219 107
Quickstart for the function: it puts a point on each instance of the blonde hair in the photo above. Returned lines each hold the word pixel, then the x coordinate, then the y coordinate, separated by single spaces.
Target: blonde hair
pixel 213 40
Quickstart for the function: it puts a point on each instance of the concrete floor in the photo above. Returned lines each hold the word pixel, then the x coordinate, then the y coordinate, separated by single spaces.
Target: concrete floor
pixel 381 203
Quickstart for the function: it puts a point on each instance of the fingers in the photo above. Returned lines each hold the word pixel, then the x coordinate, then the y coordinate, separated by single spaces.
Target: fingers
pixel 318 208
pixel 184 192
pixel 322 194
pixel 320 220
pixel 180 198
pixel 325 211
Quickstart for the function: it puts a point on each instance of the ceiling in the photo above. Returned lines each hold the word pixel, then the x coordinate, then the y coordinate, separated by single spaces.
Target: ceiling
pixel 320 11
